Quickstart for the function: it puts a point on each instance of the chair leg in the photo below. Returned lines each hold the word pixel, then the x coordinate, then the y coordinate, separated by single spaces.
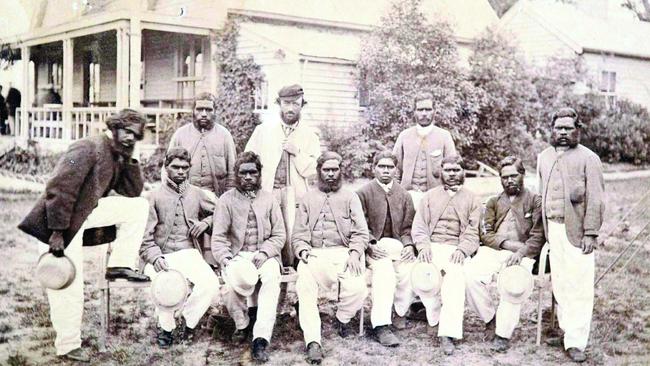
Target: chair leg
pixel 103 311
pixel 361 318
pixel 538 340
pixel 553 318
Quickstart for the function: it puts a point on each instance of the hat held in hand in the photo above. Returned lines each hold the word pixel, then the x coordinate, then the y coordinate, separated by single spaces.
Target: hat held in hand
pixel 55 273
pixel 169 289
pixel 426 277
pixel 515 284
pixel 242 276
pixel 392 247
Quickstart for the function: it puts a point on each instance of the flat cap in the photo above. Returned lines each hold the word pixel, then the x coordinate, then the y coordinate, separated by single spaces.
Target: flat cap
pixel 291 91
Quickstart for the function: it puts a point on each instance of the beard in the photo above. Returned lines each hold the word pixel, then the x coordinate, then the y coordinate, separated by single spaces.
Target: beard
pixel 571 141
pixel 203 124
pixel 458 181
pixel 327 187
pixel 290 119
pixel 246 187
pixel 512 190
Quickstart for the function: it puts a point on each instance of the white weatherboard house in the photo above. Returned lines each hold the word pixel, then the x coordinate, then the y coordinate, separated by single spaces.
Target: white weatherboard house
pixel 156 55
pixel 611 41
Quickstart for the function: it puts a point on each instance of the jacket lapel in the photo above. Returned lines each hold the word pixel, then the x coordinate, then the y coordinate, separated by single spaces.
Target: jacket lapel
pixel 438 207
pixel 315 207
pixel 381 206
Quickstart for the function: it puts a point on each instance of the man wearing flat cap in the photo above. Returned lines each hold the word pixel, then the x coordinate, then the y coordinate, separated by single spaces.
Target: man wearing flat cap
pixel 211 147
pixel 571 185
pixel 75 199
pixel 288 149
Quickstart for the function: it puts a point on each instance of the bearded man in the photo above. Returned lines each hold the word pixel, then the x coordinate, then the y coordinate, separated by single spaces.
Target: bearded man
pixel 248 226
pixel 179 214
pixel 445 231
pixel 77 198
pixel 512 234
pixel 288 148
pixel 389 212
pixel 571 184
pixel 210 145
pixel 420 150
pixel 329 239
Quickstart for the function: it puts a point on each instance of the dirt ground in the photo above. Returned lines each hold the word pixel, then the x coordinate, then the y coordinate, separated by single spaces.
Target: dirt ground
pixel 620 328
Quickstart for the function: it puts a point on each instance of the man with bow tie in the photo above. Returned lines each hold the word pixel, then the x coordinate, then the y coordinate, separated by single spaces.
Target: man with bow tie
pixel 512 234
pixel 421 148
pixel 288 149
pixel 445 232
pixel 389 213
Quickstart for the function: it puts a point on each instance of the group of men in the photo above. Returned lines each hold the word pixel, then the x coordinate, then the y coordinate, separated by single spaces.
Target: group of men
pixel 416 227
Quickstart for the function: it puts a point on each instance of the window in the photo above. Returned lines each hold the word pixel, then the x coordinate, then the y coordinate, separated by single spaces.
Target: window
pixel 55 75
pixel 608 87
pixel 363 95
pixel 191 57
pixel 94 83
pixel 261 97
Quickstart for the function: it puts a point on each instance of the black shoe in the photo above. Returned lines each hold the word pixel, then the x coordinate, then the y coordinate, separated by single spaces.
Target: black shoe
pixel 314 353
pixel 187 335
pixel 576 355
pixel 344 330
pixel 128 274
pixel 500 344
pixel 447 345
pixel 77 354
pixel 385 336
pixel 164 339
pixel 490 329
pixel 259 350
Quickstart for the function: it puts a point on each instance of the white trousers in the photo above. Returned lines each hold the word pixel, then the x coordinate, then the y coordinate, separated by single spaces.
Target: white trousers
pixel 572 277
pixel 325 269
pixel 66 306
pixel 391 286
pixel 480 271
pixel 265 296
pixel 447 308
pixel 190 263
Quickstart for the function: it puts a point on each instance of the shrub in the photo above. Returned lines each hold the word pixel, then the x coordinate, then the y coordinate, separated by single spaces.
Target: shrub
pixel 357 151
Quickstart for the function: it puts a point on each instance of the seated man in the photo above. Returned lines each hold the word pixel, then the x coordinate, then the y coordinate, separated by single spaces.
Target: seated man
pixel 445 230
pixel 512 233
pixel 248 226
pixel 329 238
pixel 179 213
pixel 389 211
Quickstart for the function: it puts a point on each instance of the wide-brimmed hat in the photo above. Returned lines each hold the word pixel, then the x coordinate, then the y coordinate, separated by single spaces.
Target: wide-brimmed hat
pixel 392 246
pixel 169 289
pixel 55 273
pixel 425 277
pixel 515 283
pixel 242 276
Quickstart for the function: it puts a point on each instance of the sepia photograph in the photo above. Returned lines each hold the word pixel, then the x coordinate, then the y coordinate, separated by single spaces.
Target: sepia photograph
pixel 335 182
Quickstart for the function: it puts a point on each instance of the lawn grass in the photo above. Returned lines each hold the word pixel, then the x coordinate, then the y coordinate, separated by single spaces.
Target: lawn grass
pixel 620 327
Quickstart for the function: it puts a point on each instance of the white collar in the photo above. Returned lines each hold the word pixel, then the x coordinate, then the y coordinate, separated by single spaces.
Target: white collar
pixel 423 131
pixel 385 187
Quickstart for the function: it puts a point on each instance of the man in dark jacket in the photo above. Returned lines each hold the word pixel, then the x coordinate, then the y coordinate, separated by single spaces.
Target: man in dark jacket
pixel 389 212
pixel 76 199
pixel 179 214
pixel 511 234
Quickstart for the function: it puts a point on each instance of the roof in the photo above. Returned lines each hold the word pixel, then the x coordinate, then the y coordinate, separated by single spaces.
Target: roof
pixel 609 31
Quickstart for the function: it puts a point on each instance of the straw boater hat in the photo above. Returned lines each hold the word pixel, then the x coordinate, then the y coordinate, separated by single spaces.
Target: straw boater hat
pixel 55 273
pixel 242 276
pixel 169 289
pixel 392 246
pixel 425 277
pixel 515 284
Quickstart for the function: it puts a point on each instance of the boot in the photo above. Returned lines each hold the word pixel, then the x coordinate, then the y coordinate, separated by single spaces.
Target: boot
pixel 259 350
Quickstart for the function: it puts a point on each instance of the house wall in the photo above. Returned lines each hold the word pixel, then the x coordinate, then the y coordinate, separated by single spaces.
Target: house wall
pixel 159 52
pixel 632 75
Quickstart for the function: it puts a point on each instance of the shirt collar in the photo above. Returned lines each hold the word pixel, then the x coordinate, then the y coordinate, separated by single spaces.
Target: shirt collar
pixel 385 187
pixel 423 131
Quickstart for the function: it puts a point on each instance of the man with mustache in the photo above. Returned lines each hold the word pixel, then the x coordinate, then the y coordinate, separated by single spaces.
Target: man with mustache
pixel 512 234
pixel 389 213
pixel 210 145
pixel 248 226
pixel 329 239
pixel 179 213
pixel 77 198
pixel 421 148
pixel 571 184
pixel 288 148
pixel 445 232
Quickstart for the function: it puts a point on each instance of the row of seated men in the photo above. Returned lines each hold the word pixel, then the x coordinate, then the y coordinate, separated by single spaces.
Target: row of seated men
pixel 336 234
pixel 333 234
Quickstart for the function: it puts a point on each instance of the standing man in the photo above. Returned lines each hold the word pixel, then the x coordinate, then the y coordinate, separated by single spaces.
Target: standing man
pixel 76 199
pixel 512 234
pixel 210 145
pixel 288 149
pixel 13 102
pixel 248 227
pixel 571 184
pixel 179 213
pixel 420 150
pixel 389 211
pixel 329 239
pixel 445 231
